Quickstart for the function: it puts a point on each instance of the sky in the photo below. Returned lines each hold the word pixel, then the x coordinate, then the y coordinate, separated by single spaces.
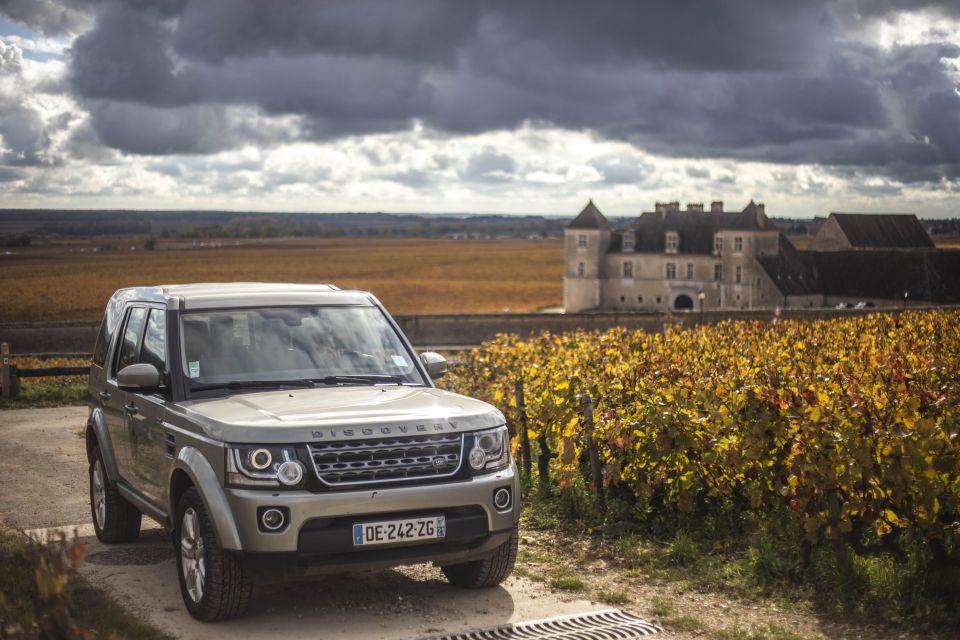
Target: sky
pixel 481 106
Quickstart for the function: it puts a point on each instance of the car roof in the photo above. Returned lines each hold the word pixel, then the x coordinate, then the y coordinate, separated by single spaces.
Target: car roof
pixel 212 295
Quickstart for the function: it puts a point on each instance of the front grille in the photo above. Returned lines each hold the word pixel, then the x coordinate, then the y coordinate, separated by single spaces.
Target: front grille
pixel 387 459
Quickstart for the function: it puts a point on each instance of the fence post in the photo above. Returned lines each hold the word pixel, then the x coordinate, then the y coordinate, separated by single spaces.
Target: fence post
pixel 525 458
pixel 6 376
pixel 595 467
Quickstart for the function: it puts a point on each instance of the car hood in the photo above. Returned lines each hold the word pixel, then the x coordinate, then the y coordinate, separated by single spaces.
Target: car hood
pixel 338 413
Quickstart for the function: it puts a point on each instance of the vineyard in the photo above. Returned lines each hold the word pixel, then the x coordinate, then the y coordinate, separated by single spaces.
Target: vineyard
pixel 850 427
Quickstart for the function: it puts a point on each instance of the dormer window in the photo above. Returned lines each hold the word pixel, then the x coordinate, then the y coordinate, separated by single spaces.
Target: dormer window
pixel 628 241
pixel 672 242
pixel 717 244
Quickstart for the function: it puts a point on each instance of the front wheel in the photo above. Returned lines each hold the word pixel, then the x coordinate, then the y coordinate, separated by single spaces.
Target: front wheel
pixel 213 583
pixel 488 572
pixel 114 519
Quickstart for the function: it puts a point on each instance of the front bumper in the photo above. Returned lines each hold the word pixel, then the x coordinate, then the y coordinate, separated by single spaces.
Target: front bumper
pixel 311 513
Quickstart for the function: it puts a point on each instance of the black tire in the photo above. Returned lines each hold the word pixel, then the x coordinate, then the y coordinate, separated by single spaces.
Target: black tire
pixel 225 587
pixel 119 520
pixel 488 572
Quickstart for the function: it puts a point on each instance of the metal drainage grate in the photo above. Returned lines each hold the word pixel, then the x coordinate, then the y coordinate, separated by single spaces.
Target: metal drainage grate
pixel 608 624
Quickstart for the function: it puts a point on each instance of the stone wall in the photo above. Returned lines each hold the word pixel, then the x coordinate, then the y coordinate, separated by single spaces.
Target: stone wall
pixel 442 331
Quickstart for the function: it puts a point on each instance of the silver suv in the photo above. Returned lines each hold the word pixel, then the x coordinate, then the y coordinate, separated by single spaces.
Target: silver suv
pixel 281 430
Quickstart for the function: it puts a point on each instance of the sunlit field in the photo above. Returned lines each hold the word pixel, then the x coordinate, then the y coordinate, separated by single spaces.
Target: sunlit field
pixel 58 282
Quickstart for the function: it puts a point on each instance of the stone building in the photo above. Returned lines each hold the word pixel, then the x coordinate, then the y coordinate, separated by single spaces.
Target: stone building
pixel 673 259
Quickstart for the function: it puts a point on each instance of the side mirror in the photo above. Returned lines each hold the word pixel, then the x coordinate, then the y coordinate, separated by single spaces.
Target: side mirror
pixel 435 363
pixel 139 377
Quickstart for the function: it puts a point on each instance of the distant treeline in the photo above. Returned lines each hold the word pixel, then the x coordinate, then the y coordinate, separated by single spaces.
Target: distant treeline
pixel 224 224
pixel 17 226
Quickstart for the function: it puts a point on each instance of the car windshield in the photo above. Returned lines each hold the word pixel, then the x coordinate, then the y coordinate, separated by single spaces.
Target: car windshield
pixel 331 345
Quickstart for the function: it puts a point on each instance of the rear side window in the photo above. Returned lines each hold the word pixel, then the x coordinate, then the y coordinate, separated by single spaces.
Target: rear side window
pixel 103 343
pixel 127 353
pixel 154 340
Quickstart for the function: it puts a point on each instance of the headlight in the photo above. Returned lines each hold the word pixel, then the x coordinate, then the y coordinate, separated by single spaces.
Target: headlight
pixel 263 467
pixel 491 450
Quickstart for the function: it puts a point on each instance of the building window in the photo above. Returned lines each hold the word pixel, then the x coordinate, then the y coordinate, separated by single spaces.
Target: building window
pixel 628 241
pixel 718 244
pixel 672 242
pixel 582 241
pixel 580 270
pixel 658 299
pixel 738 244
pixel 689 271
pixel 627 269
pixel 639 298
pixel 718 272
pixel 623 298
pixel 671 271
pixel 739 274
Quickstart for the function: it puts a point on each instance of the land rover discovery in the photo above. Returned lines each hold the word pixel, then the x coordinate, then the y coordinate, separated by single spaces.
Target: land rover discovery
pixel 282 430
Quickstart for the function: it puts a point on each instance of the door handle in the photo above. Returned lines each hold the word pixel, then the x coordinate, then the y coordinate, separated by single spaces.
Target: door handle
pixel 104 396
pixel 131 409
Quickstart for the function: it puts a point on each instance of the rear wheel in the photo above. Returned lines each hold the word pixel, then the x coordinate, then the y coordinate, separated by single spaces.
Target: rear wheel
pixel 114 519
pixel 213 583
pixel 488 572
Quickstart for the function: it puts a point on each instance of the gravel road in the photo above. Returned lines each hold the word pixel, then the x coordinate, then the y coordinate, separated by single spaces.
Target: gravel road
pixel 43 486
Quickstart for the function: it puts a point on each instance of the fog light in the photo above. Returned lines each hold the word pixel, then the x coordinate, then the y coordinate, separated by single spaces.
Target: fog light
pixel 501 499
pixel 290 473
pixel 477 458
pixel 272 519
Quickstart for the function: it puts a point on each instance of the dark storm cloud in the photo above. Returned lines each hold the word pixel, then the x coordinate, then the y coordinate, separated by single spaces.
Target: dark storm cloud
pixel 767 80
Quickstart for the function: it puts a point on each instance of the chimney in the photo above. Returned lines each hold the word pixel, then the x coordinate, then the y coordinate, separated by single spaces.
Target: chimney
pixel 695 206
pixel 761 215
pixel 716 206
pixel 675 205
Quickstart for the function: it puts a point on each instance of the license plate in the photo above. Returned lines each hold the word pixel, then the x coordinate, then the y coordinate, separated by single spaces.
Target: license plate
pixel 391 531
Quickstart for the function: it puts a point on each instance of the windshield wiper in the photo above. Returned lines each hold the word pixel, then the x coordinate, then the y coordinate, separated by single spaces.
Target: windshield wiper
pixel 373 378
pixel 253 384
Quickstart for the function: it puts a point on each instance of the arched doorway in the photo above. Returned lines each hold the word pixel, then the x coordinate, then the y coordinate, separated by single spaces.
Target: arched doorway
pixel 683 301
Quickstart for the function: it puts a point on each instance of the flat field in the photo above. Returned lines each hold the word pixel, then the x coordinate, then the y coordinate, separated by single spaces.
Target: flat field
pixel 58 281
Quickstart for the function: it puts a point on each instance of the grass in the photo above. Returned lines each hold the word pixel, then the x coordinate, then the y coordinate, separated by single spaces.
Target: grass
pixel 63 391
pixel 613 597
pixel 41 596
pixel 53 282
pixel 753 559
pixel 565 579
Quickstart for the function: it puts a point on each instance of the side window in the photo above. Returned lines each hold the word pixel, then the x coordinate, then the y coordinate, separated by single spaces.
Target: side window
pixel 154 340
pixel 103 344
pixel 127 353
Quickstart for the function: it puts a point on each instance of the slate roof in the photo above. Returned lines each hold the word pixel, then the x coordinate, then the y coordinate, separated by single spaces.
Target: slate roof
pixel 931 275
pixel 590 218
pixel 793 272
pixel 695 229
pixel 883 230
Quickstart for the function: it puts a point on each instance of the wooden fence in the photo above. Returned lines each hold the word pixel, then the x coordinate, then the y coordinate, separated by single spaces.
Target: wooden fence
pixel 10 374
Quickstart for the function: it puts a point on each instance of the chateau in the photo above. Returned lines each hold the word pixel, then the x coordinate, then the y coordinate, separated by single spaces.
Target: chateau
pixel 684 259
